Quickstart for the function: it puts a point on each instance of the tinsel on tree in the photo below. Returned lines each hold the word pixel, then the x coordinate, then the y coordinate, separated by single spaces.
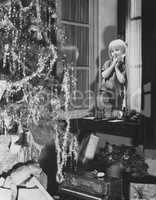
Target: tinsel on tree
pixel 31 93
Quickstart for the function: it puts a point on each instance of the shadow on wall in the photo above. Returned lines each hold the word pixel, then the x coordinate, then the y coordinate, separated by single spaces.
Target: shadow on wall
pixel 109 34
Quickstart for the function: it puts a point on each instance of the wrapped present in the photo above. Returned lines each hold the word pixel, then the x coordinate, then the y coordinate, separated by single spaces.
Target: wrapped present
pixel 88 148
pixel 5 194
pixel 28 176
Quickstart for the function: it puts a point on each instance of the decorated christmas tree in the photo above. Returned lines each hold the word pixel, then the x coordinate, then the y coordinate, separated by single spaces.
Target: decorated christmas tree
pixel 32 95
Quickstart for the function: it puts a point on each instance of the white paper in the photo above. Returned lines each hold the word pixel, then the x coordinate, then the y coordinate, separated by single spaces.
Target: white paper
pixel 91 147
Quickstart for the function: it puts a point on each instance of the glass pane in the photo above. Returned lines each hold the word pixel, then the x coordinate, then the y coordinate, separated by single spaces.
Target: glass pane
pixel 79 37
pixel 80 97
pixel 75 10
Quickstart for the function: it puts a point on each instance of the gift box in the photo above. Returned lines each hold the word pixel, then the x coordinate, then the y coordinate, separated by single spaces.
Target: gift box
pixel 5 194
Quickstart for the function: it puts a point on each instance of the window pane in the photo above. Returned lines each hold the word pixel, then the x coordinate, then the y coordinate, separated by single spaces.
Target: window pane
pixel 80 99
pixel 75 10
pixel 79 37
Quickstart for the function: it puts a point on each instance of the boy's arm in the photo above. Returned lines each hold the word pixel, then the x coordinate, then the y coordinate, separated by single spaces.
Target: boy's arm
pixel 108 70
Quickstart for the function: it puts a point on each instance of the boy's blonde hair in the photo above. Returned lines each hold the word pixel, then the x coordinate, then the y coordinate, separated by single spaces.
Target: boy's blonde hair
pixel 117 43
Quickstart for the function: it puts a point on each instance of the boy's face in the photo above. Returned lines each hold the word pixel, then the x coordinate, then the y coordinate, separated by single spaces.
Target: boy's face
pixel 116 52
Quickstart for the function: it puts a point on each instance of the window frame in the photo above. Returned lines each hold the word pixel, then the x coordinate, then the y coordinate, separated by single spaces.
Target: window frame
pixel 93 45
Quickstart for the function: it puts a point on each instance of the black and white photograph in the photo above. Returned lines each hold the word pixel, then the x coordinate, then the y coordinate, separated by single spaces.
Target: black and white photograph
pixel 77 100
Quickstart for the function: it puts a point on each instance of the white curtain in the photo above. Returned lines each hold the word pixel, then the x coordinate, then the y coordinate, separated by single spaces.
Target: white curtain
pixel 134 55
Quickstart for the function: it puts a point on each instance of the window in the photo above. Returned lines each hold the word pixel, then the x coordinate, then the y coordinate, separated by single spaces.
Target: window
pixel 78 18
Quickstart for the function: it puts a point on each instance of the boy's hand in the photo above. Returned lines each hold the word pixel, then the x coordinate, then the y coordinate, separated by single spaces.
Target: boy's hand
pixel 117 68
pixel 121 58
pixel 114 62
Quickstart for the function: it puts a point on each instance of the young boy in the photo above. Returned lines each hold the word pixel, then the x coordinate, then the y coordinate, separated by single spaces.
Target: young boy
pixel 114 76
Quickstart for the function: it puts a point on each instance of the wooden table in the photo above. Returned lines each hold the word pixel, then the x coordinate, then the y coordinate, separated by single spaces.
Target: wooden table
pixel 132 129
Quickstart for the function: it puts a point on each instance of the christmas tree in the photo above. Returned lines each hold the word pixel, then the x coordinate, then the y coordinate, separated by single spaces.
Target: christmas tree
pixel 32 95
